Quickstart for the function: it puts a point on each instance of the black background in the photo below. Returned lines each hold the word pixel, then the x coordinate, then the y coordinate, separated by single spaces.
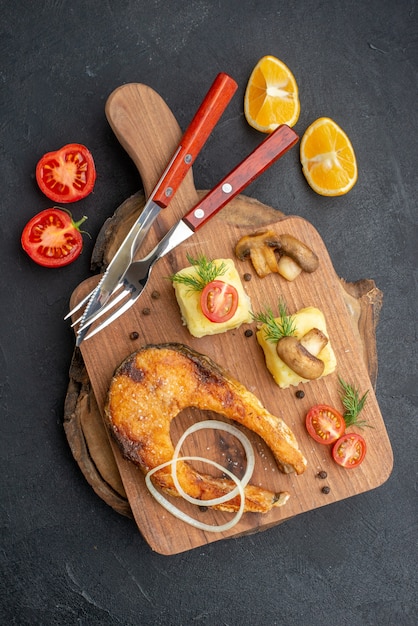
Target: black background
pixel 66 557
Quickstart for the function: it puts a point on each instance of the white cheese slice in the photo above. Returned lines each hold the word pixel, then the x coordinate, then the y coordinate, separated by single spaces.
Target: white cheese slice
pixel 305 320
pixel 189 303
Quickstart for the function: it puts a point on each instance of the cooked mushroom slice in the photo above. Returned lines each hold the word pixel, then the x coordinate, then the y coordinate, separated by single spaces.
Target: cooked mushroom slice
pixel 288 268
pixel 314 341
pixel 295 256
pixel 301 355
pixel 299 252
pixel 260 248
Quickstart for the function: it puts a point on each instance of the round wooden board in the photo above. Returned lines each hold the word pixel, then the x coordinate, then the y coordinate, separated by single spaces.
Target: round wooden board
pixel 83 422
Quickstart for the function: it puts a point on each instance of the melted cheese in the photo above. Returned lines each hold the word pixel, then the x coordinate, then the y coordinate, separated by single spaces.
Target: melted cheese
pixel 305 320
pixel 191 312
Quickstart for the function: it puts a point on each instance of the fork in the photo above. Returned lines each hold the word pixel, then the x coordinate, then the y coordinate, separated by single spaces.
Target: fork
pixel 134 281
pixel 136 277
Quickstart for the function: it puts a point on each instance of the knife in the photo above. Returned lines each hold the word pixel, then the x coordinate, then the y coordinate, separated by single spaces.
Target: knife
pixel 137 275
pixel 205 119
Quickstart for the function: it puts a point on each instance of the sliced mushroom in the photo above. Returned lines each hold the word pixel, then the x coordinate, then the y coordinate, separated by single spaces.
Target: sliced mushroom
pixel 301 354
pixel 299 252
pixel 260 248
pixel 288 268
pixel 314 341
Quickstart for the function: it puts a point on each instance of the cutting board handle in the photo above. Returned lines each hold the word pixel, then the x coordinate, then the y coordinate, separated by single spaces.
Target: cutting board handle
pixel 148 131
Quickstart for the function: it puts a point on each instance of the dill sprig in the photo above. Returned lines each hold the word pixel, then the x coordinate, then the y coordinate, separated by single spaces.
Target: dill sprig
pixel 206 271
pixel 276 328
pixel 352 404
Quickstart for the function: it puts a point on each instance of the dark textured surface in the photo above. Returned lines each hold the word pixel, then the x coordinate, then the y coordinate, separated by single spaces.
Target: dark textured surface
pixel 66 558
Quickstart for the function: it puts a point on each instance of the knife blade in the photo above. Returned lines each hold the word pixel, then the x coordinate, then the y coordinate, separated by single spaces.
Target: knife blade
pixel 267 153
pixel 205 119
pixel 261 158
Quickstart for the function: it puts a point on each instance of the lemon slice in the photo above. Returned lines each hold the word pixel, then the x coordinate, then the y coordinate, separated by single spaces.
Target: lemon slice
pixel 328 159
pixel 272 96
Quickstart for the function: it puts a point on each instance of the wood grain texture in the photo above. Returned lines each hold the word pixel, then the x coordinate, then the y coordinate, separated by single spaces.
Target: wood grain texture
pixel 241 356
pixel 83 422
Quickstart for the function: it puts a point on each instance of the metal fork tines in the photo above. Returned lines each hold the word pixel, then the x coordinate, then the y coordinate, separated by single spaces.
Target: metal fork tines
pixel 136 278
pixel 132 287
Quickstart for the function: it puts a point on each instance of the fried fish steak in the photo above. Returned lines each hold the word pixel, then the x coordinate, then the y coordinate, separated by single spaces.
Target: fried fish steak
pixel 152 386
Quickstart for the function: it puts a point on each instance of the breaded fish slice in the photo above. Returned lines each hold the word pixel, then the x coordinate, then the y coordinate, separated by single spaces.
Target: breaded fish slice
pixel 152 386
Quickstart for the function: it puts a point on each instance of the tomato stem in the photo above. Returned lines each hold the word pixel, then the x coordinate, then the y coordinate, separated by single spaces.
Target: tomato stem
pixel 78 224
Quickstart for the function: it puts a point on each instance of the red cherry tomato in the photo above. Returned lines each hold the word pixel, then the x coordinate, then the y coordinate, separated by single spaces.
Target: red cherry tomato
pixel 52 239
pixel 219 301
pixel 349 451
pixel 68 174
pixel 325 424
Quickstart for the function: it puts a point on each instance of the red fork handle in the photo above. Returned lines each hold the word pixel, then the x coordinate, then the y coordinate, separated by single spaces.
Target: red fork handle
pixel 269 151
pixel 201 126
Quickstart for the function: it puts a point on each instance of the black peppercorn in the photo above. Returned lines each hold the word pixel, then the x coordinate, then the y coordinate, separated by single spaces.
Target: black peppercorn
pixel 155 294
pixel 146 311
pixel 326 489
pixel 134 335
pixel 300 394
pixel 322 474
pixel 248 332
pixel 247 277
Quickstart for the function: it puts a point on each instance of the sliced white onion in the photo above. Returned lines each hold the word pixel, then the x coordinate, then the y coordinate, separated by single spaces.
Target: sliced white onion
pixel 215 425
pixel 238 490
pixel 171 508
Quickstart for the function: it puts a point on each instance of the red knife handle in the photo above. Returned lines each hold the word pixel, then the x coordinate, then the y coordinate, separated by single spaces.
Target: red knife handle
pixel 201 126
pixel 269 151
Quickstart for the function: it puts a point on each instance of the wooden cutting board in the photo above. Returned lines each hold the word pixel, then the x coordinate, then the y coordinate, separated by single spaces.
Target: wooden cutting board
pixel 148 131
pixel 83 423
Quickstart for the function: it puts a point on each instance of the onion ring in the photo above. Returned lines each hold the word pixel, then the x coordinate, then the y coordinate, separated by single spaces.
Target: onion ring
pixel 238 490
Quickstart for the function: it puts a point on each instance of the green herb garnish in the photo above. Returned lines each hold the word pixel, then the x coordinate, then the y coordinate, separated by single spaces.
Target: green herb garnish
pixel 276 328
pixel 206 271
pixel 353 404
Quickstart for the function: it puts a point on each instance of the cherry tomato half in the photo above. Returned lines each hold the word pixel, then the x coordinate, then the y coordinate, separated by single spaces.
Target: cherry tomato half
pixel 325 424
pixel 219 301
pixel 52 239
pixel 68 174
pixel 349 451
